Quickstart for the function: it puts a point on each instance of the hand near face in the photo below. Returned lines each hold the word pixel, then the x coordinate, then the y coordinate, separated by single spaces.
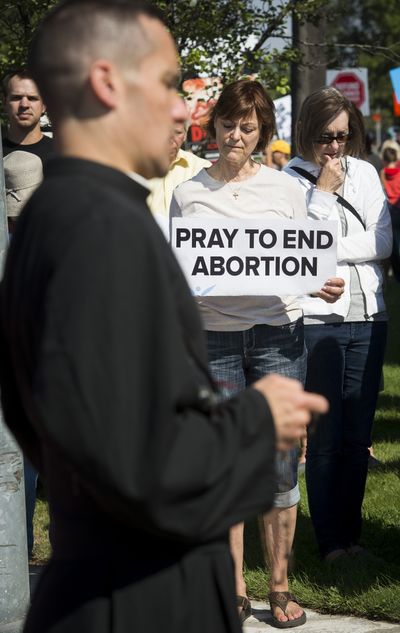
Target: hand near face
pixel 331 176
pixel 332 290
pixel 291 407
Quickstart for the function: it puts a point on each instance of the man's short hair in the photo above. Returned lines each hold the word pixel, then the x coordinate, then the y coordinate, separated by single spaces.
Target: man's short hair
pixel 77 32
pixel 22 73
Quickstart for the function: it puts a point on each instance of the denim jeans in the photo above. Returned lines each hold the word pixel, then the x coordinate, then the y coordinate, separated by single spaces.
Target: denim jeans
pixel 30 480
pixel 344 364
pixel 237 359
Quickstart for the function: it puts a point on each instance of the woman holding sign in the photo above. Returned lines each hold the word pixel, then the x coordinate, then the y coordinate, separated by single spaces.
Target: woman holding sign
pixel 250 336
pixel 346 341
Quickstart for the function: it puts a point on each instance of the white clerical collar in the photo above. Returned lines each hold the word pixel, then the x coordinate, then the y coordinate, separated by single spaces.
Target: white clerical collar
pixel 139 179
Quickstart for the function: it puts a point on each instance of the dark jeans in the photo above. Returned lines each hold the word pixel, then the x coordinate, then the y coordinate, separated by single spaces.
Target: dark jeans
pixel 237 359
pixel 30 480
pixel 344 364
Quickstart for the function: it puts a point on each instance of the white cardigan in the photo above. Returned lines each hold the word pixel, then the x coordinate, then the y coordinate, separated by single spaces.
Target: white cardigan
pixel 363 248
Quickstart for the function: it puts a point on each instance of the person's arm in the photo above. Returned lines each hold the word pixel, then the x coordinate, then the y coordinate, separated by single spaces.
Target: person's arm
pixel 375 243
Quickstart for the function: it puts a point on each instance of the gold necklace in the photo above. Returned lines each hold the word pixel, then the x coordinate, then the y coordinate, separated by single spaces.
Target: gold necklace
pixel 236 191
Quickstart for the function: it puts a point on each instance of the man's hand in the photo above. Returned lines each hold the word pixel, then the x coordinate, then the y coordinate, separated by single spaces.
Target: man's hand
pixel 291 407
pixel 332 290
pixel 331 176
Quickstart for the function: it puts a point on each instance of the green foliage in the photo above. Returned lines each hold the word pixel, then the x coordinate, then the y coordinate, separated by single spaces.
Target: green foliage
pixel 227 38
pixel 18 21
pixel 232 38
pixel 368 32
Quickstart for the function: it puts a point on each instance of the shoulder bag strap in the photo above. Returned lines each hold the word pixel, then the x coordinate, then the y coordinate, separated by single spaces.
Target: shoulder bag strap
pixel 340 198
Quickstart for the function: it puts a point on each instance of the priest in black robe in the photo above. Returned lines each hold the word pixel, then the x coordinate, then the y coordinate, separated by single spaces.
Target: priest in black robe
pixel 103 367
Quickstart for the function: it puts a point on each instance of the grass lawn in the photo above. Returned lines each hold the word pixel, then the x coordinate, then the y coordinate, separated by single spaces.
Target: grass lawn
pixel 365 589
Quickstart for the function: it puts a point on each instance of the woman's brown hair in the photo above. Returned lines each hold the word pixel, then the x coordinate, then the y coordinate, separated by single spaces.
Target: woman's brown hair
pixel 319 109
pixel 238 100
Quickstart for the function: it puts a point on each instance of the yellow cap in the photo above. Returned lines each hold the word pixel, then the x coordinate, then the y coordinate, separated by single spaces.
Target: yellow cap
pixel 280 146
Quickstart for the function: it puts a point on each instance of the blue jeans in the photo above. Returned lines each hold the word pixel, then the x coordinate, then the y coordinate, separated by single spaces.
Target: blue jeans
pixel 237 359
pixel 30 480
pixel 344 364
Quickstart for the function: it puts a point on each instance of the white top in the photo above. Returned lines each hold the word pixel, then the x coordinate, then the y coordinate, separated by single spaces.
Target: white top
pixel 267 194
pixel 365 249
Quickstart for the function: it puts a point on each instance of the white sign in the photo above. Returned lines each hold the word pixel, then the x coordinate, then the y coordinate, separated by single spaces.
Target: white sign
pixel 353 82
pixel 225 257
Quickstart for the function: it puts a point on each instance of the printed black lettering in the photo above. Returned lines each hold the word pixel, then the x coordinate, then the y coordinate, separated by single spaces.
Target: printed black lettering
pixel 230 263
pixel 252 264
pixel 200 267
pixel 324 239
pixel 272 236
pixel 217 265
pixel 308 240
pixel 198 237
pixel 215 239
pixel 252 233
pixel 310 266
pixel 287 262
pixel 230 236
pixel 289 238
pixel 267 261
pixel 182 235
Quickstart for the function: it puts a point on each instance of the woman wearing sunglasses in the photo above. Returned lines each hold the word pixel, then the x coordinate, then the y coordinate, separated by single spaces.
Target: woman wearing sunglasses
pixel 345 340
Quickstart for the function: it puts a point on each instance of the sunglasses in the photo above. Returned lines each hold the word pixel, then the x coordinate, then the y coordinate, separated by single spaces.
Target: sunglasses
pixel 327 139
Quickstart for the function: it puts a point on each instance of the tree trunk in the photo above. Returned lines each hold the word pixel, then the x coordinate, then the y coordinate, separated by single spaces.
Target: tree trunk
pixel 309 74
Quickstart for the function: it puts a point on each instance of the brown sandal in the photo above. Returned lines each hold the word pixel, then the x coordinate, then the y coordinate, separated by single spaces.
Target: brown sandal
pixel 244 603
pixel 280 599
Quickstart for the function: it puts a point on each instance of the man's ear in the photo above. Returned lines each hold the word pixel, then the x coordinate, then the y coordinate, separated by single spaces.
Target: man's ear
pixel 104 80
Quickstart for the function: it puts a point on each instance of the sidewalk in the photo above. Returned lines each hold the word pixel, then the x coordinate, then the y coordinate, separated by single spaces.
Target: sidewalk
pixel 259 622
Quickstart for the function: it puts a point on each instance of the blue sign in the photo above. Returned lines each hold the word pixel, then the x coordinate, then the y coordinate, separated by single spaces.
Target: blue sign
pixel 395 77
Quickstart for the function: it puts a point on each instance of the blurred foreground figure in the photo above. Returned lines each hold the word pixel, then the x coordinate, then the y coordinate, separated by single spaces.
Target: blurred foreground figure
pixel 104 376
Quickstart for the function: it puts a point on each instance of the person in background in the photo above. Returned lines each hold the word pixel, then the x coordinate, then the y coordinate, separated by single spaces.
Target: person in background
pixel 183 165
pixel 249 336
pixel 370 154
pixel 393 144
pixel 24 108
pixel 390 178
pixel 277 154
pixel 23 173
pixel 103 367
pixel 345 341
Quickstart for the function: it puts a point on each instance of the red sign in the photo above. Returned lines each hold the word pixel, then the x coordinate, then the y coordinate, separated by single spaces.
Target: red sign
pixel 396 106
pixel 351 86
